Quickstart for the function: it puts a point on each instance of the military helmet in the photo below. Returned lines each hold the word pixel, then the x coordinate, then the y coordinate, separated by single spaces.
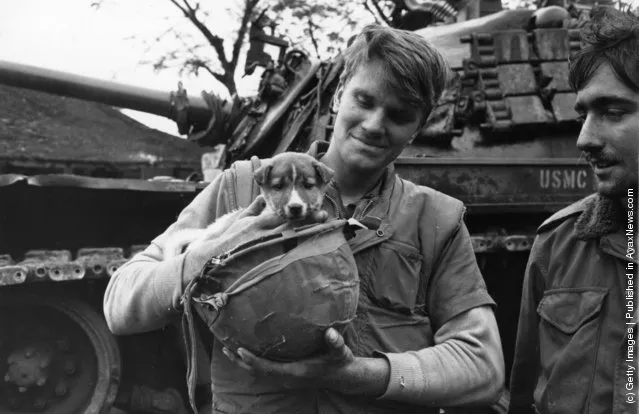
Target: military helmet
pixel 277 294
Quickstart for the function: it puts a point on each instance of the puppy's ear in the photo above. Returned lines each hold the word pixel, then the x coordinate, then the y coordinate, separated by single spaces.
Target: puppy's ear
pixel 261 175
pixel 323 172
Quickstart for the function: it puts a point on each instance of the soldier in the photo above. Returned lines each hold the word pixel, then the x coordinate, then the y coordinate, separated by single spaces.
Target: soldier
pixel 575 329
pixel 425 335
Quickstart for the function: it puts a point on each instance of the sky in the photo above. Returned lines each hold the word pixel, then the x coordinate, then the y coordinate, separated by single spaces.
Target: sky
pixel 72 36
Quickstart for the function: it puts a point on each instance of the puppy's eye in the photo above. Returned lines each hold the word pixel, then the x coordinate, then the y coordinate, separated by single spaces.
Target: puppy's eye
pixel 309 185
pixel 278 185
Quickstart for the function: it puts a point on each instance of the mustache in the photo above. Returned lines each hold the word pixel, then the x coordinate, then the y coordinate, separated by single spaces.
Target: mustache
pixel 597 156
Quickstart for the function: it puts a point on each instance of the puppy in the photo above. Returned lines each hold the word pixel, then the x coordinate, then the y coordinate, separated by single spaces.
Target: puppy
pixel 292 185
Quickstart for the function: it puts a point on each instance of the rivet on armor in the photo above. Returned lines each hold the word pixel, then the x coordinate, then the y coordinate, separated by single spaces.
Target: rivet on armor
pixel 61 389
pixel 69 367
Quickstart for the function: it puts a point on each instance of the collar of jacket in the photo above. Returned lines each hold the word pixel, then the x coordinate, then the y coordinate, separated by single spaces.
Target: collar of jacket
pixel 381 197
pixel 601 216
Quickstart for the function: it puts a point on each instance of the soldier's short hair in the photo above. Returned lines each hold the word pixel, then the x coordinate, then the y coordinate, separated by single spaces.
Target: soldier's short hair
pixel 611 36
pixel 417 70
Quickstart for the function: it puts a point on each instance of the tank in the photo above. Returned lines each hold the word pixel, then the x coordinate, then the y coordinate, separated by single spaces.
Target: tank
pixel 501 139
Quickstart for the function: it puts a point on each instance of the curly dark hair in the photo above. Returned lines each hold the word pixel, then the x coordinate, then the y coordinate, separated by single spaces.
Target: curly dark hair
pixel 611 36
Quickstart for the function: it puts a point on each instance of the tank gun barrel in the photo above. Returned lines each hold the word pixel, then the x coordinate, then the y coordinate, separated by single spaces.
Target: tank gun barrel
pixel 98 90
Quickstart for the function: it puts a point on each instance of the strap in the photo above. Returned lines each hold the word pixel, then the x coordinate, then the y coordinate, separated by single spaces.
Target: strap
pixel 241 192
pixel 190 325
pixel 279 235
pixel 245 187
pixel 188 329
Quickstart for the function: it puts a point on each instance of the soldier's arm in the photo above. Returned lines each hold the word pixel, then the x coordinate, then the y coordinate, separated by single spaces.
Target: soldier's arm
pixel 144 293
pixel 465 366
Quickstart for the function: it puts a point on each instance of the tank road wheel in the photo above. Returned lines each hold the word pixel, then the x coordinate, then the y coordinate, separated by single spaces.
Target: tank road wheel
pixel 57 356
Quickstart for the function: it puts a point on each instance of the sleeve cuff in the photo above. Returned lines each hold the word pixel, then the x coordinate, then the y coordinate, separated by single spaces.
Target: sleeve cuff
pixel 167 283
pixel 406 376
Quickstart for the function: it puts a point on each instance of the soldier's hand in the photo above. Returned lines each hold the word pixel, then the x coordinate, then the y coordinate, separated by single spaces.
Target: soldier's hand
pixel 312 372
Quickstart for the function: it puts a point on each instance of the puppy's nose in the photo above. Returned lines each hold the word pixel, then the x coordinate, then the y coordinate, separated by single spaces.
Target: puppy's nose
pixel 295 210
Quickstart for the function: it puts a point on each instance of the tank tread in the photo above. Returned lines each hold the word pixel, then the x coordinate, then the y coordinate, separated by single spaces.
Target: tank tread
pixel 61 265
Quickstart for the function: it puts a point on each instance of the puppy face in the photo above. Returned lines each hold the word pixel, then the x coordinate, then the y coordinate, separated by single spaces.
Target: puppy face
pixel 293 184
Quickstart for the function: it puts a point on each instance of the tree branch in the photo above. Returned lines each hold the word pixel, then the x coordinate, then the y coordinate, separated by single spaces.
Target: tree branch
pixel 311 31
pixel 367 7
pixel 215 41
pixel 183 10
pixel 195 63
pixel 200 64
pixel 381 13
pixel 249 6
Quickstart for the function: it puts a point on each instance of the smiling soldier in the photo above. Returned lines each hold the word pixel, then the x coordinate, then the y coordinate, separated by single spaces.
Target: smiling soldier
pixel 573 338
pixel 425 335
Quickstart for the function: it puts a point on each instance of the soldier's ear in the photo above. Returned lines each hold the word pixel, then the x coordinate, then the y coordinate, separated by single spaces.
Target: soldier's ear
pixel 324 173
pixel 261 175
pixel 337 98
